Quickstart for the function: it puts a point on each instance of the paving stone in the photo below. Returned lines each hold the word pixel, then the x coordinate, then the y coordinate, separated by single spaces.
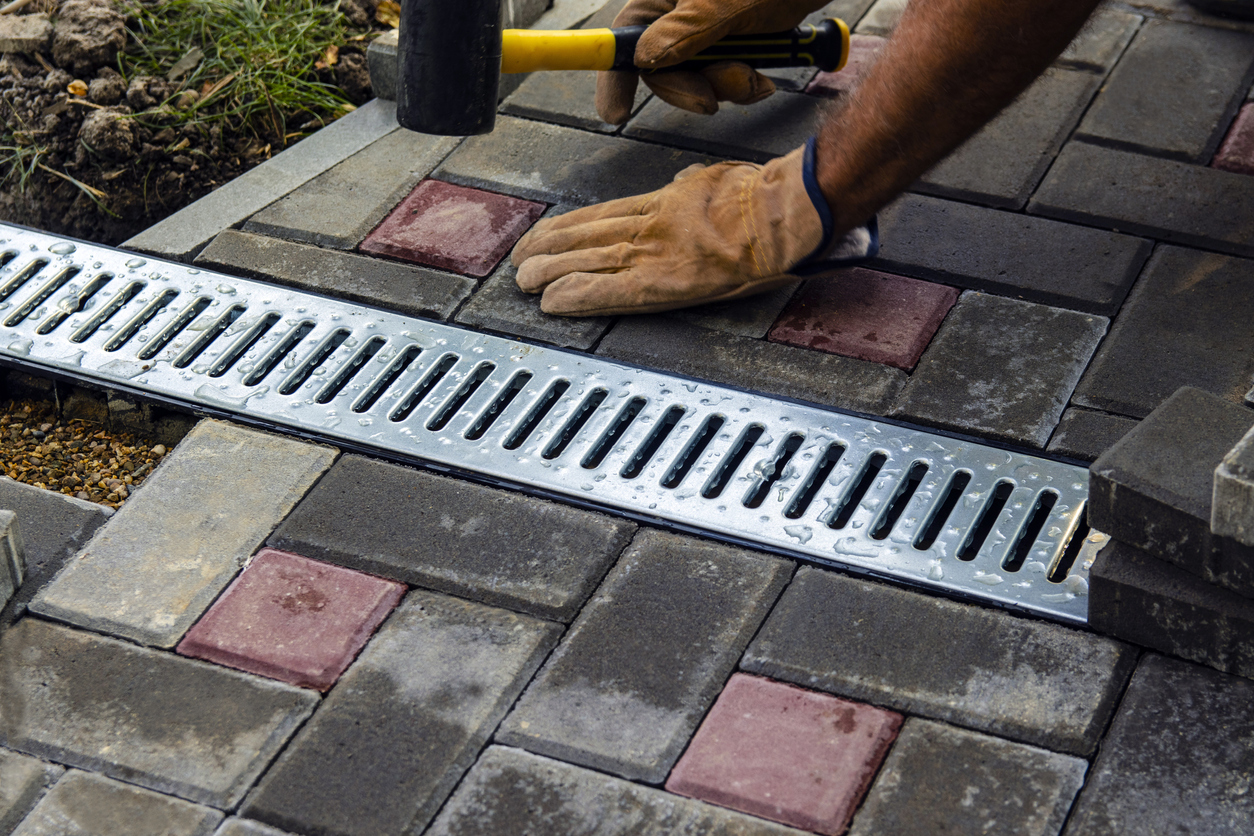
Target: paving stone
pixel 396 734
pixel 783 753
pixel 647 655
pixel 1139 598
pixel 562 165
pixel 1185 11
pixel 1035 259
pixel 247 827
pixel 418 291
pixel 1174 91
pixel 510 791
pixel 1164 199
pixel 25 33
pixel 83 804
pixel 152 570
pixel 382 66
pixel 1232 509
pixel 1102 40
pixel 1028 680
pixel 292 619
pixel 881 18
pixel 491 545
pixel 758 132
pixel 939 779
pixel 1184 324
pixel 23 781
pixel 1086 434
pixel 1236 154
pixel 1001 368
pixel 12 556
pixel 863 50
pixel 452 227
pixel 1177 757
pixel 173 725
pixel 182 235
pixel 564 98
pixel 339 207
pixel 751 317
pixel 866 314
pixel 667 344
pixel 1003 163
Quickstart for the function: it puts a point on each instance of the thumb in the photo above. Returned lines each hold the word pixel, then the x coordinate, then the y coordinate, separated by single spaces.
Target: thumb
pixel 678 35
pixel 615 96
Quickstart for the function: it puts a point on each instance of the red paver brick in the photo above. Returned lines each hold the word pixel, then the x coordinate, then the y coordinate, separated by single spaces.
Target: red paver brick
pixel 1237 151
pixel 292 619
pixel 452 227
pixel 862 51
pixel 865 314
pixel 781 752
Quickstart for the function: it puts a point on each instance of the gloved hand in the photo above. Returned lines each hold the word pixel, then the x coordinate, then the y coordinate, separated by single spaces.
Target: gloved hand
pixel 680 29
pixel 716 233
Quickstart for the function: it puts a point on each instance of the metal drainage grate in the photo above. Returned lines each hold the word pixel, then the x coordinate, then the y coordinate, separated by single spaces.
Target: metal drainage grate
pixel 970 519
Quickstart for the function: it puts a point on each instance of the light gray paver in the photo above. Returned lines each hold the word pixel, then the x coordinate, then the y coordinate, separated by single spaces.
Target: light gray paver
pixel 500 306
pixel 83 804
pixel 23 781
pixel 157 564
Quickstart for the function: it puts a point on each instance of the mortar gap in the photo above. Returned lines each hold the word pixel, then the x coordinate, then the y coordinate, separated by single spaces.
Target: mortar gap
pixel 692 453
pixel 429 381
pixel 731 462
pixel 537 414
pixel 783 454
pixel 988 518
pixel 656 438
pixel 614 433
pixel 817 478
pixel 464 392
pixel 1041 509
pixel 953 492
pixel 403 360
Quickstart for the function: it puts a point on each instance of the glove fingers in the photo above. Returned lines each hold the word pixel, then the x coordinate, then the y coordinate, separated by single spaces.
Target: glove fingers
pixel 587 236
pixel 533 243
pixel 679 35
pixel 539 271
pixel 642 12
pixel 735 82
pixel 684 90
pixel 616 93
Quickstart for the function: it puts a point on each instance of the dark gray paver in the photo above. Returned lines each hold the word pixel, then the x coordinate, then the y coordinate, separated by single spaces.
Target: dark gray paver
pixel 939 779
pixel 647 656
pixel 662 342
pixel 83 804
pixel 339 207
pixel 419 291
pixel 510 791
pixel 381 63
pixel 1035 259
pixel 564 98
pixel 155 719
pixel 1164 199
pixel 1002 368
pixel 405 722
pixel 1232 510
pixel 1185 324
pixel 1085 434
pixel 1032 681
pixel 1177 759
pixel 562 165
pixel 150 572
pixel 1139 598
pixel 483 543
pixel 1101 41
pixel 1002 164
pixel 23 781
pixel 757 132
pixel 751 317
pixel 1174 91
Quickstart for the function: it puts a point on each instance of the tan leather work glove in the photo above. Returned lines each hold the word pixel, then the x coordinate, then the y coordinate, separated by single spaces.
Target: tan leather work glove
pixel 678 30
pixel 716 233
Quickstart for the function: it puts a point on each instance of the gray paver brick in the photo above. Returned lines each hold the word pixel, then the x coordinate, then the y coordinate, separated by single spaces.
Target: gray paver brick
pixel 510 791
pixel 662 342
pixel 83 804
pixel 12 556
pixel 1177 757
pixel 150 718
pixel 483 543
pixel 1232 511
pixel 160 561
pixel 339 207
pixel 1101 41
pixel 564 98
pixel 406 721
pixel 984 669
pixel 647 656
pixel 1184 324
pixel 1030 258
pixel 1002 368
pixel 1164 199
pixel 1085 434
pixel 939 779
pixel 247 827
pixel 23 781
pixel 419 291
pixel 562 165
pixel 758 132
pixel 751 317
pixel 1174 91
pixel 381 63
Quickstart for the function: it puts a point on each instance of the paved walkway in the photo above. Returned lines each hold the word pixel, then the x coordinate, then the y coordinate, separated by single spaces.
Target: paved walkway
pixel 276 636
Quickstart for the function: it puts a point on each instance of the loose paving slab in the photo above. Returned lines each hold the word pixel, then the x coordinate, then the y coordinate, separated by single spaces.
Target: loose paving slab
pixel 751 317
pixel 482 543
pixel 396 734
pixel 1086 434
pixel 1031 681
pixel 170 724
pixel 510 791
pixel 152 570
pixel 939 779
pixel 1177 756
pixel 417 291
pixel 1237 152
pixel 783 753
pixel 1029 258
pixel 23 781
pixel 1001 368
pixel 636 672
pixel 83 804
pixel 1102 40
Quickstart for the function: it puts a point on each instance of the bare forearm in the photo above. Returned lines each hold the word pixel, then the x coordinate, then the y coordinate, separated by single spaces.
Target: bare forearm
pixel 950 66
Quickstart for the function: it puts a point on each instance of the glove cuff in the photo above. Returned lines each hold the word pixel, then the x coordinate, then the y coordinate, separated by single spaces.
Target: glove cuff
pixel 854 247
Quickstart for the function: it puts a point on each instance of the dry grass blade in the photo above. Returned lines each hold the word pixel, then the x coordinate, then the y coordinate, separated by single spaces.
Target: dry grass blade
pixel 90 190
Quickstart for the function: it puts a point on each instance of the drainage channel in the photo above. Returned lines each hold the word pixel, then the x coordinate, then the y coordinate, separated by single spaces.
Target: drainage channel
pixel 972 520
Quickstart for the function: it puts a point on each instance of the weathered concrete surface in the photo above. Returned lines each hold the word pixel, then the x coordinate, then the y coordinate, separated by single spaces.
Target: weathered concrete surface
pixel 23 781
pixel 1232 507
pixel 84 804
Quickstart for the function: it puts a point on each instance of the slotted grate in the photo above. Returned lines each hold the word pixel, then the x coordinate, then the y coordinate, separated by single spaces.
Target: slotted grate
pixel 971 519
